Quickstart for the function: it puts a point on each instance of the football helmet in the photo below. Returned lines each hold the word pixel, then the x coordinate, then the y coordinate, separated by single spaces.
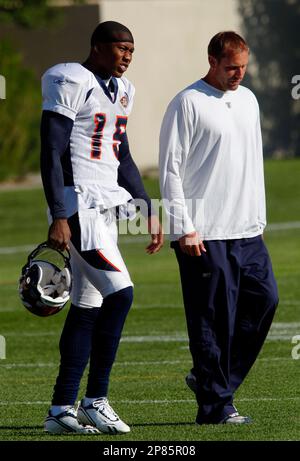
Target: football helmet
pixel 46 281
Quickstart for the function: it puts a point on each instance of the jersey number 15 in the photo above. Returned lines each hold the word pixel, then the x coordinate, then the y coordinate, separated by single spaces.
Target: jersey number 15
pixel 120 129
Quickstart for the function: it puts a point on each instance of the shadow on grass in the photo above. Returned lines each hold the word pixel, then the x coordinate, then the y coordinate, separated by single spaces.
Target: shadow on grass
pixel 25 428
pixel 185 423
pixel 19 428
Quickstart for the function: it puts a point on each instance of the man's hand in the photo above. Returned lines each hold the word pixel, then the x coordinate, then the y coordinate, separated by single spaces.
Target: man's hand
pixel 191 244
pixel 59 234
pixel 157 237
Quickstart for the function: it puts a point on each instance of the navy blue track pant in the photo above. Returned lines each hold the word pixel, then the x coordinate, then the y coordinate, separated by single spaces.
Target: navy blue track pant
pixel 230 297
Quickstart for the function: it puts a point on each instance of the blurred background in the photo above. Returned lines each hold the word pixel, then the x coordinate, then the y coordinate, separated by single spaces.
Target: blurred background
pixel 171 38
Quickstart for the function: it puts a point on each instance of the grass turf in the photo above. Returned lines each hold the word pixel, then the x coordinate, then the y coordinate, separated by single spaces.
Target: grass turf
pixel 147 383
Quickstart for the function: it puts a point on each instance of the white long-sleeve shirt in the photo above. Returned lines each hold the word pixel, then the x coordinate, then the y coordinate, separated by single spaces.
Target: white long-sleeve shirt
pixel 211 164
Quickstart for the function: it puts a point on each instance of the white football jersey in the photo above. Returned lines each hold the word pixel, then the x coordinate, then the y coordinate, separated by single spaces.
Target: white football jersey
pixel 91 166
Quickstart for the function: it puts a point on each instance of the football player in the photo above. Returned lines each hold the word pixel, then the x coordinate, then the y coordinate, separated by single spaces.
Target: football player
pixel 89 178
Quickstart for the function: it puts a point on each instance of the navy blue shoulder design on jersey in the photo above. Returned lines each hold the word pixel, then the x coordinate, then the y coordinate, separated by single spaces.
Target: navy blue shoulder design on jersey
pixel 56 168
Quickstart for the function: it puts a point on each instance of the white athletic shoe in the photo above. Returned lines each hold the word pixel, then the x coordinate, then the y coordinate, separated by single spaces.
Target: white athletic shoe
pixel 66 423
pixel 100 414
pixel 236 418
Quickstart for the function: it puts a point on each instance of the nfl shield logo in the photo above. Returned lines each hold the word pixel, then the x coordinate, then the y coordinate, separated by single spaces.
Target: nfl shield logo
pixel 124 101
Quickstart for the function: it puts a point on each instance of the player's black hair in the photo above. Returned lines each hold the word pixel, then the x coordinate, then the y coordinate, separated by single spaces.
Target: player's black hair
pixel 224 41
pixel 111 31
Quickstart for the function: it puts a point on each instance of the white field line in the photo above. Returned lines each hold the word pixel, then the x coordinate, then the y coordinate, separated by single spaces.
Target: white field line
pixel 151 306
pixel 283 226
pixel 134 307
pixel 280 331
pixel 155 402
pixel 131 363
pixel 281 325
pixel 143 238
pixel 17 249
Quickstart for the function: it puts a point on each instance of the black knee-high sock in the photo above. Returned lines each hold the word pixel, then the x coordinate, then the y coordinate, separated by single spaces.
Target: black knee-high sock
pixel 75 348
pixel 106 338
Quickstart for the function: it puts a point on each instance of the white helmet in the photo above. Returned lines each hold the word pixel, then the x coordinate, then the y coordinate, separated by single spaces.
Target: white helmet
pixel 46 281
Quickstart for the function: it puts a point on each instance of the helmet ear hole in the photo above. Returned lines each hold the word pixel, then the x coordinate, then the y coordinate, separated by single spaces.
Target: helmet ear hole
pixel 45 286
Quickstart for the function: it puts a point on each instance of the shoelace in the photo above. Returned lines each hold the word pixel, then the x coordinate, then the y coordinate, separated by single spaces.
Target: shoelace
pixel 71 412
pixel 103 406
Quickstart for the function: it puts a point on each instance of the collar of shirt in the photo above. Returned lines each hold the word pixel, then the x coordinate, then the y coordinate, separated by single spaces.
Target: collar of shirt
pixel 109 86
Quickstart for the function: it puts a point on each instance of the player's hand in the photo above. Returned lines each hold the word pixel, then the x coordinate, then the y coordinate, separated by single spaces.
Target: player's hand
pixel 191 244
pixel 59 234
pixel 157 236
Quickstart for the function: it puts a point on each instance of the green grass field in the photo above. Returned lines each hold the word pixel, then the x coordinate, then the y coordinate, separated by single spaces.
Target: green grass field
pixel 147 385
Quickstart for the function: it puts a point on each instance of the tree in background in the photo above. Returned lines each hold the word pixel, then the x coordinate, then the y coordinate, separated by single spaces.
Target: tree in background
pixel 20 111
pixel 30 13
pixel 271 28
pixel 19 116
pixel 27 13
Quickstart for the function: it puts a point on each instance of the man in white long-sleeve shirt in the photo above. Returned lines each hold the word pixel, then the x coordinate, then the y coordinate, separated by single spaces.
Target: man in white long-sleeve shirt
pixel 212 183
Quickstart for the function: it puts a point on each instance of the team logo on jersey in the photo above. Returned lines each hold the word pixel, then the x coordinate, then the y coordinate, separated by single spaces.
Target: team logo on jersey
pixel 124 100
